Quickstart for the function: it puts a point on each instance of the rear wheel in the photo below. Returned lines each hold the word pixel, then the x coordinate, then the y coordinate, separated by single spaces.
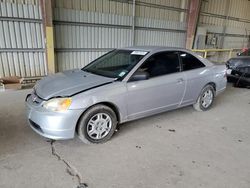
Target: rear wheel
pixel 205 99
pixel 97 125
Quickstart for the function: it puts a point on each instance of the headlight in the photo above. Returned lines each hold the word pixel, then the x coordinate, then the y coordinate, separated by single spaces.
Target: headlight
pixel 58 104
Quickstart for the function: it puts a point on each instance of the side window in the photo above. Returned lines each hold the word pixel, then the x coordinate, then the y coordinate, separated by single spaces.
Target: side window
pixel 190 62
pixel 161 63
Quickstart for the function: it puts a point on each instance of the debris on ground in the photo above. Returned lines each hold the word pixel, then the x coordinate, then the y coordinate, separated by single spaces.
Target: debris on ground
pixel 11 82
pixel 82 185
pixel 239 140
pixel 181 173
pixel 171 130
pixel 224 128
pixel 139 147
pixel 117 129
pixel 158 126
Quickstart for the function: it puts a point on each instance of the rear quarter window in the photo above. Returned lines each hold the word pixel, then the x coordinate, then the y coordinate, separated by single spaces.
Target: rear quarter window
pixel 189 62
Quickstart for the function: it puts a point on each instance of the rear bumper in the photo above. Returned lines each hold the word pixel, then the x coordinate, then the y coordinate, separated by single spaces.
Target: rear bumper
pixel 52 125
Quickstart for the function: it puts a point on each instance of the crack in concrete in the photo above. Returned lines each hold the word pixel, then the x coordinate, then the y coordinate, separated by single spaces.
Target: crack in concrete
pixel 71 170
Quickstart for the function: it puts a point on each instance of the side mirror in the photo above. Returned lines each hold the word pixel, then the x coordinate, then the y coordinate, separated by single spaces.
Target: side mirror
pixel 139 75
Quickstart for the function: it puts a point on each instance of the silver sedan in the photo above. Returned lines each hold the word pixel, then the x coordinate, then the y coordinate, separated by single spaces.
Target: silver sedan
pixel 122 85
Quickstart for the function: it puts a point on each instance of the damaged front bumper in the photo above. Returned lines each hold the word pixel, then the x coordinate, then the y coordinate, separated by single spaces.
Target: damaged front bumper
pixel 240 77
pixel 49 124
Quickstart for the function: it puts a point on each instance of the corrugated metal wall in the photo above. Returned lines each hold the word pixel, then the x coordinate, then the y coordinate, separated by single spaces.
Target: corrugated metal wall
pixel 231 16
pixel 85 30
pixel 21 39
pixel 87 35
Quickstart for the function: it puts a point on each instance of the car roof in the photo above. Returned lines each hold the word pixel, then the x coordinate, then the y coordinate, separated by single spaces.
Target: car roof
pixel 155 49
pixel 152 48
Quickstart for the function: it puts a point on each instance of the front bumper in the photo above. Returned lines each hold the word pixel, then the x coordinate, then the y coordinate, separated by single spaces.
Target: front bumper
pixel 230 76
pixel 52 125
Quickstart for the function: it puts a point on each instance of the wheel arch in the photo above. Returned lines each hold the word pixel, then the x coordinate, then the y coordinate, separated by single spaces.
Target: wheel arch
pixel 113 107
pixel 108 104
pixel 209 83
pixel 197 105
pixel 212 84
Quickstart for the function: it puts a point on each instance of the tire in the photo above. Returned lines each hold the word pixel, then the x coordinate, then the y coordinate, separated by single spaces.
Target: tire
pixel 97 125
pixel 200 103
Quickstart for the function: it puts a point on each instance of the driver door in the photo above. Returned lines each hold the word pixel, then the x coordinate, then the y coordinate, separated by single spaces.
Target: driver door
pixel 163 90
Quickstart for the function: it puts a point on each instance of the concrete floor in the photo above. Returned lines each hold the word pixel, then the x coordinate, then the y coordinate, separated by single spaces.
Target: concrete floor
pixel 208 149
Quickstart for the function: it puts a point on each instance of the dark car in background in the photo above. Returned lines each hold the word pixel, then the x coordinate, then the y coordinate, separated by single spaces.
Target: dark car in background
pixel 238 71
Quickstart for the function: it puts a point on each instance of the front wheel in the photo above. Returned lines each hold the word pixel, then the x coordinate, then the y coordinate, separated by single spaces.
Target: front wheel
pixel 205 99
pixel 97 125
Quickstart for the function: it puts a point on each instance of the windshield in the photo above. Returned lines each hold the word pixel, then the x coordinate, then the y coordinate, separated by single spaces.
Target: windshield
pixel 115 64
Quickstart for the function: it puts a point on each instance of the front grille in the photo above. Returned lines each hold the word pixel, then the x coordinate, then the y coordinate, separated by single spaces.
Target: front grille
pixel 35 126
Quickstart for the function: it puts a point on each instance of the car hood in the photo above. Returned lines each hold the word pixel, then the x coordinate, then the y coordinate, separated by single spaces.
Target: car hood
pixel 68 83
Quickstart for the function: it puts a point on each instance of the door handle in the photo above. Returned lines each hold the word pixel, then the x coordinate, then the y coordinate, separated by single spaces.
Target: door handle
pixel 180 80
